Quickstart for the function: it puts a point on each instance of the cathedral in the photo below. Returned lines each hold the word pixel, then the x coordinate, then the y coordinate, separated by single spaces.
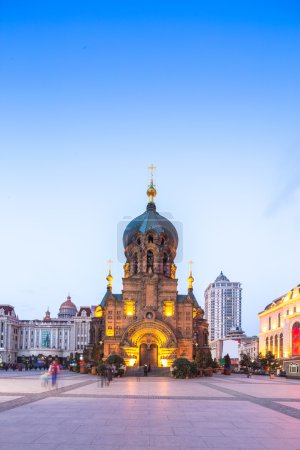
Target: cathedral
pixel 149 322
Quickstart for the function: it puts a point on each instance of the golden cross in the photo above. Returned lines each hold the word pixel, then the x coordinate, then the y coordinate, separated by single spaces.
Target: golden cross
pixel 151 168
pixel 110 261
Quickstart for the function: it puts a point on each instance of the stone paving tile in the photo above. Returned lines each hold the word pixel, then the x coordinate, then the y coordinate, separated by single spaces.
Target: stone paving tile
pixel 159 431
pixel 122 440
pixel 62 438
pixel 295 405
pixel 6 398
pixel 27 437
pixel 232 443
pixel 277 443
pixel 24 446
pixel 188 441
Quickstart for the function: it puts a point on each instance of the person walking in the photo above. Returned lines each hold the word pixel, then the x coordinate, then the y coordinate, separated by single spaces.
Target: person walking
pixel 138 373
pixel 54 370
pixel 109 375
pixel 145 370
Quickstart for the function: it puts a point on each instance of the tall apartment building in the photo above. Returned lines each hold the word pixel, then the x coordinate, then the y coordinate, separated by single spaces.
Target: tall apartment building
pixel 223 300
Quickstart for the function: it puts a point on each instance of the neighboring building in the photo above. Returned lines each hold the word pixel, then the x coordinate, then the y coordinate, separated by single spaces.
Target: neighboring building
pixel 235 344
pixel 9 329
pixel 249 346
pixel 149 322
pixel 223 300
pixel 55 337
pixel 280 330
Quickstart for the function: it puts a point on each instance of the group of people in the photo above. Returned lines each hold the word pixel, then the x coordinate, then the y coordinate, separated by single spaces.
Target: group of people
pixel 106 375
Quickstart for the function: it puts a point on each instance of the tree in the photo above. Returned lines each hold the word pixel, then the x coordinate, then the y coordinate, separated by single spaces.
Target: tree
pixel 85 355
pixel 95 354
pixel 200 358
pixel 245 360
pixel 227 362
pixel 182 368
pixel 208 359
pixel 203 358
pixel 215 364
pixel 267 362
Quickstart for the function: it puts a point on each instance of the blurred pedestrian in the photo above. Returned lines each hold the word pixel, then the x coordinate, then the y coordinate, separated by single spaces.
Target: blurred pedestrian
pixel 54 370
pixel 145 370
pixel 109 375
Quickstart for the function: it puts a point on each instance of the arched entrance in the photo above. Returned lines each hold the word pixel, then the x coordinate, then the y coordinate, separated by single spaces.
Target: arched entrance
pixel 148 355
pixel 149 342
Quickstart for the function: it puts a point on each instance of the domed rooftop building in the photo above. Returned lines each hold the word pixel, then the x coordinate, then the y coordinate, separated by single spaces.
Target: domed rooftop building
pixel 221 277
pixel 149 322
pixel 67 309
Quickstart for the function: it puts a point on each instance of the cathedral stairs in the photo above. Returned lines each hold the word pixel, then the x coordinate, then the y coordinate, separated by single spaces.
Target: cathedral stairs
pixel 154 372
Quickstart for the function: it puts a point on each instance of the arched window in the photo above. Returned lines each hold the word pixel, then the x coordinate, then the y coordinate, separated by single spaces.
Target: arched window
pixel 281 345
pixel 296 339
pixel 276 346
pixel 271 344
pixel 205 339
pixel 270 323
pixel 150 238
pixel 165 264
pixel 267 344
pixel 135 264
pixel 150 261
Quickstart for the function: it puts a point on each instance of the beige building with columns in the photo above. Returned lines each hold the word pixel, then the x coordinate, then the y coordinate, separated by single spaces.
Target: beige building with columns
pixel 280 327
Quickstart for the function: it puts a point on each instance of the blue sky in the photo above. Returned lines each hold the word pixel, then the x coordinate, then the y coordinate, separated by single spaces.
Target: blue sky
pixel 94 92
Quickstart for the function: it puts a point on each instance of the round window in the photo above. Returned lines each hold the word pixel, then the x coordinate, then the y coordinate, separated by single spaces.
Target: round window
pixel 149 315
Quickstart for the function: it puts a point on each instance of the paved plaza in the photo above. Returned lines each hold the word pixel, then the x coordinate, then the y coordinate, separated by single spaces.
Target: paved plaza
pixel 220 412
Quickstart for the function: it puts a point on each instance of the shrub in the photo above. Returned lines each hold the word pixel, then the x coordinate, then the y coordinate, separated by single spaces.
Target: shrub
pixel 182 368
pixel 116 360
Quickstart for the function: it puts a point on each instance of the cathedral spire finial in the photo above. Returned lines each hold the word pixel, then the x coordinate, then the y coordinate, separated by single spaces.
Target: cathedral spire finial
pixel 109 276
pixel 151 192
pixel 190 278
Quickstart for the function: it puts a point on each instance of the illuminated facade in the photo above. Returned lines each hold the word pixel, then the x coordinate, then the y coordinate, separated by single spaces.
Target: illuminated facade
pixel 149 323
pixel 280 327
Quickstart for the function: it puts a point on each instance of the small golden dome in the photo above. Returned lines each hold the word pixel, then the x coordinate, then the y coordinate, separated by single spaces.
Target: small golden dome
pixel 98 311
pixel 190 281
pixel 110 280
pixel 151 192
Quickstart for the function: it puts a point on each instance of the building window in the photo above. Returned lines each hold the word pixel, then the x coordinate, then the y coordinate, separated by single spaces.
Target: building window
pixel 135 264
pixel 279 320
pixel 276 346
pixel 165 264
pixel 46 339
pixel 296 339
pixel 150 261
pixel 267 345
pixel 270 323
pixel 293 368
pixel 271 344
pixel 281 345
